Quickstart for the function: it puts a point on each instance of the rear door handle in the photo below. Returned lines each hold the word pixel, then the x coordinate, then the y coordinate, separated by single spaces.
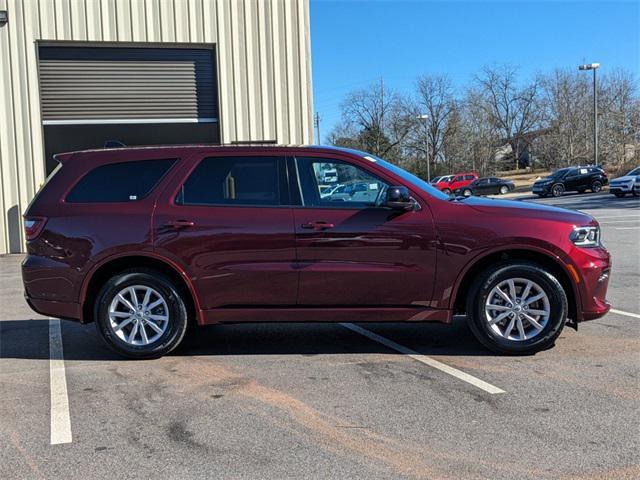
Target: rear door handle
pixel 317 225
pixel 179 224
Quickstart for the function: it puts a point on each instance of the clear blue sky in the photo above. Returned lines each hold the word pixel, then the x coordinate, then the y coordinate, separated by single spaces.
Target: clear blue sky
pixel 356 42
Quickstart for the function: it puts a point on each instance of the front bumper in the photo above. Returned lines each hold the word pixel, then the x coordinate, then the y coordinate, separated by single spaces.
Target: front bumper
pixel 621 188
pixel 593 267
pixel 541 189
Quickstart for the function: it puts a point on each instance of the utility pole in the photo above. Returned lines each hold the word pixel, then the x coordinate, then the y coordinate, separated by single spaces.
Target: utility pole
pixel 425 118
pixel 316 123
pixel 594 67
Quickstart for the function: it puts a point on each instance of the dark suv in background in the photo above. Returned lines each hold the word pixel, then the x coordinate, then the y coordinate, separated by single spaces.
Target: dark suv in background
pixel 571 179
pixel 145 241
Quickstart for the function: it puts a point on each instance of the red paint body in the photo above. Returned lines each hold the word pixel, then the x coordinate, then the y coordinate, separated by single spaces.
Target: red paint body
pixel 458 181
pixel 250 264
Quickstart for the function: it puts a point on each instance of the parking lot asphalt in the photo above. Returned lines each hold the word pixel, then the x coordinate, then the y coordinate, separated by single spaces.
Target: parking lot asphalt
pixel 292 401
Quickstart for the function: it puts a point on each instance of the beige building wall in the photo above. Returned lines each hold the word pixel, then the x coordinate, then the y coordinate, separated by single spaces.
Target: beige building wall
pixel 264 73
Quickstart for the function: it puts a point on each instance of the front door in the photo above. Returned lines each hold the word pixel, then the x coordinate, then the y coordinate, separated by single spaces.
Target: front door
pixel 353 252
pixel 229 226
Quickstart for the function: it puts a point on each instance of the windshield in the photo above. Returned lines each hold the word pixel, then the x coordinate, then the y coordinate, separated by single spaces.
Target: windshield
pixel 409 177
pixel 559 173
pixel 635 171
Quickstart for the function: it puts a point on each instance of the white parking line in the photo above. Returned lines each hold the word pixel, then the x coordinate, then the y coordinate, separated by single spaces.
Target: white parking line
pixel 628 314
pixel 60 421
pixel 476 382
pixel 626 228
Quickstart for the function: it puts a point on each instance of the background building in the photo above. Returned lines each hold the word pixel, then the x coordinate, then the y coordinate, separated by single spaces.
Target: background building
pixel 75 73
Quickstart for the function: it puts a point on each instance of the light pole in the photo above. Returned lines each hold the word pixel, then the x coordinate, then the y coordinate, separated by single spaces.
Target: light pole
pixel 425 117
pixel 594 67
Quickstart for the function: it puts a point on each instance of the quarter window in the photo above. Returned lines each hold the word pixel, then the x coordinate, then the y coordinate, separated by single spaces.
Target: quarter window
pixel 119 182
pixel 233 181
pixel 333 183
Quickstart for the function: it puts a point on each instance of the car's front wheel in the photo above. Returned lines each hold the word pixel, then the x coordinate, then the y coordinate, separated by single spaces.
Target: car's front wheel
pixel 596 186
pixel 141 314
pixel 557 190
pixel 517 309
pixel 447 191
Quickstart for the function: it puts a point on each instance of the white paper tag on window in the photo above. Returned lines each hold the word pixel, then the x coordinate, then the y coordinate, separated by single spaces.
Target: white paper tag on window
pixel 133 197
pixel 373 186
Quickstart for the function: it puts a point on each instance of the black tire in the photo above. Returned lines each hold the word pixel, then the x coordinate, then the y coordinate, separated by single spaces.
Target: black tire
pixel 620 194
pixel 557 190
pixel 504 190
pixel 447 191
pixel 177 313
pixel 483 285
pixel 466 192
pixel 596 186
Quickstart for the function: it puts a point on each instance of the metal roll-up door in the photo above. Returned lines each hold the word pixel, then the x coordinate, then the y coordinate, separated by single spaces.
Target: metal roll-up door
pixel 106 85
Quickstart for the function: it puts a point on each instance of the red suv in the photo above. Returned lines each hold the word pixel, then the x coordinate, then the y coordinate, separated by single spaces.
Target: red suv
pixel 142 241
pixel 458 181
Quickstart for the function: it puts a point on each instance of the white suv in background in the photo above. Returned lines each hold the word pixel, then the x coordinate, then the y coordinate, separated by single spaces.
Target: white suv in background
pixel 630 183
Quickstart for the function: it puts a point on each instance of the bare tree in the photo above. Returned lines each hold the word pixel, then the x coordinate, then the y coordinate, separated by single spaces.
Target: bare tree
pixel 431 109
pixel 378 119
pixel 513 110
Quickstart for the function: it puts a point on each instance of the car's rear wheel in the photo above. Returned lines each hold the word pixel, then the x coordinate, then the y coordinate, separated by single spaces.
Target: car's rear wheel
pixel 596 186
pixel 517 309
pixel 141 314
pixel 504 190
pixel 557 190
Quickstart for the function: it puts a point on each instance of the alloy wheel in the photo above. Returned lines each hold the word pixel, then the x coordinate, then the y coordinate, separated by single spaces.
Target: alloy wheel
pixel 138 315
pixel 517 309
pixel 504 189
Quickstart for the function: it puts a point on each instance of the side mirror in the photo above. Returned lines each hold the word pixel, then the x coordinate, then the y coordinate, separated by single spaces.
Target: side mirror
pixel 398 198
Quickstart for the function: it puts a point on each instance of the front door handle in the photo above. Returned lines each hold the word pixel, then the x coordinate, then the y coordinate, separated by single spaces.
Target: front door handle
pixel 317 225
pixel 179 224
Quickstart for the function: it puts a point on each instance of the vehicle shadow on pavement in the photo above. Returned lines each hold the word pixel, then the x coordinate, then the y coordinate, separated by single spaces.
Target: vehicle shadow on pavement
pixel 590 201
pixel 29 339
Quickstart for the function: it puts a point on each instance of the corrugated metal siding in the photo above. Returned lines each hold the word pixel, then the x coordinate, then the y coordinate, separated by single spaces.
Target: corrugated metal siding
pixel 98 84
pixel 263 56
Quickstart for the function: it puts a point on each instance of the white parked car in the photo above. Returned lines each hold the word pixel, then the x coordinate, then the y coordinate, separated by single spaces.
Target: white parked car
pixel 630 183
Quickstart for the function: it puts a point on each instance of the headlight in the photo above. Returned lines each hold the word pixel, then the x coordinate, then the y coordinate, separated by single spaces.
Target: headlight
pixel 586 236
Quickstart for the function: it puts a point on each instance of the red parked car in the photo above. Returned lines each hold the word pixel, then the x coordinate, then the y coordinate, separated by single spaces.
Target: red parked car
pixel 458 182
pixel 142 241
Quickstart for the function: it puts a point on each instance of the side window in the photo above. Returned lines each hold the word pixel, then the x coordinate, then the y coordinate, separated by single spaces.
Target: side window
pixel 119 182
pixel 352 187
pixel 457 179
pixel 469 177
pixel 233 181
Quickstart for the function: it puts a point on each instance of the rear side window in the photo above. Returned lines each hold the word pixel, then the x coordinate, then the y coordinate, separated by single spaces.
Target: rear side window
pixel 234 181
pixel 119 182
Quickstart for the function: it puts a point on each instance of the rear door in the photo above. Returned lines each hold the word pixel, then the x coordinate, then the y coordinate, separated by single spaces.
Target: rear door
pixel 228 224
pixel 352 252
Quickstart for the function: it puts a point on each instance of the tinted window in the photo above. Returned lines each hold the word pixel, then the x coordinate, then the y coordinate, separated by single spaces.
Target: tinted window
pixel 468 177
pixel 353 188
pixel 233 181
pixel 119 182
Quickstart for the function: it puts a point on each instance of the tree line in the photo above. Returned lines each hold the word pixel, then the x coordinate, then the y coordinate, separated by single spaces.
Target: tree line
pixel 496 123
